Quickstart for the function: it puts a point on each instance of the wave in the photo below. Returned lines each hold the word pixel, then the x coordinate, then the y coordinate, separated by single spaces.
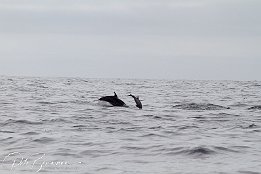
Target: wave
pixel 257 107
pixel 44 140
pixel 95 153
pixel 200 106
pixel 30 133
pixel 3 131
pixel 11 121
pixel 46 103
pixel 248 172
pixel 66 154
pixel 153 135
pixel 195 152
pixel 200 151
pixel 57 120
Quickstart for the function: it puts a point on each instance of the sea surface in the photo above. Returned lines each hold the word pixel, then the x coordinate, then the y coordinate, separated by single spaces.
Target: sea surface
pixel 58 125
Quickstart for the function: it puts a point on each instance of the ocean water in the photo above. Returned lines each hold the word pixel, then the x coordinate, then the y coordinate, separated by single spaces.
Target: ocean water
pixel 57 125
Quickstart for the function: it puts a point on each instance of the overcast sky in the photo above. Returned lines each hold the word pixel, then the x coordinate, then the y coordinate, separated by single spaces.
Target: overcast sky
pixel 169 39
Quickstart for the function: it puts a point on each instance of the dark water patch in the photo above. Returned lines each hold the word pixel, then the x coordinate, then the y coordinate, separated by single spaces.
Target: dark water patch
pixel 188 127
pixel 199 151
pixel 6 139
pixel 46 103
pixel 6 103
pixel 238 105
pixel 79 126
pixel 225 149
pixel 223 115
pixel 252 126
pixel 131 129
pixel 248 172
pixel 198 117
pixel 64 102
pixel 256 130
pixel 44 140
pixel 153 135
pixel 200 106
pixel 11 121
pixel 136 148
pixel 193 152
pixel 157 117
pixel 54 113
pixel 155 127
pixel 149 115
pixel 9 132
pixel 257 107
pixel 30 133
pixel 110 128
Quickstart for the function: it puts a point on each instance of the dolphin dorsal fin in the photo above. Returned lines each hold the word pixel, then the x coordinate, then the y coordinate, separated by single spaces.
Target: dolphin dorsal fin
pixel 115 95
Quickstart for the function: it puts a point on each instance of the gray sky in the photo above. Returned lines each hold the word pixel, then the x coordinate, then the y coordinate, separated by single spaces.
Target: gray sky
pixel 170 39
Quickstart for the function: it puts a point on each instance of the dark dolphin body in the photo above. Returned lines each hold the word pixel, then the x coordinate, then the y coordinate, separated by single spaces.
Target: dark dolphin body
pixel 137 101
pixel 114 100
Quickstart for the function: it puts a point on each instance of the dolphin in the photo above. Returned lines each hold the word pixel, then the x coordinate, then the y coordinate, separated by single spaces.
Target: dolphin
pixel 137 101
pixel 113 100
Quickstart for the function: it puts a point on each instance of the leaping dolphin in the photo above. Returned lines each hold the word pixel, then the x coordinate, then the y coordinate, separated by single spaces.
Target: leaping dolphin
pixel 137 101
pixel 113 100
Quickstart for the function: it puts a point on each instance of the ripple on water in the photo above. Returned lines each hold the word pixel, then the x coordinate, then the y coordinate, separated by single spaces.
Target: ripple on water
pixel 12 121
pixel 248 172
pixel 57 120
pixel 200 106
pixel 46 103
pixel 6 139
pixel 30 133
pixel 95 153
pixel 199 151
pixel 153 135
pixel 257 107
pixel 5 131
pixel 44 140
pixel 193 152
